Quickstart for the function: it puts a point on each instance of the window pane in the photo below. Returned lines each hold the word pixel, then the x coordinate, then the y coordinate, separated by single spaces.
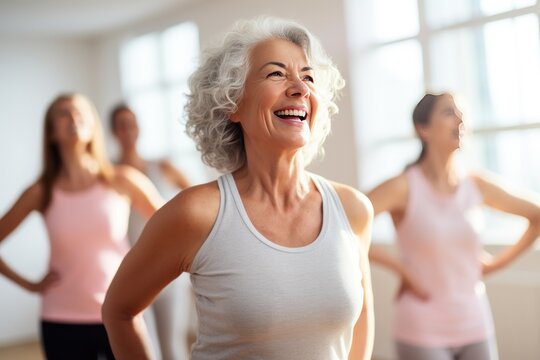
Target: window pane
pixel 513 69
pixel 513 154
pixel 154 137
pixel 184 153
pixel 372 21
pixel 181 50
pixel 393 19
pixel 495 67
pixel 177 99
pixel 139 63
pixel 379 163
pixel 458 64
pixel 446 12
pixel 390 82
pixel 491 7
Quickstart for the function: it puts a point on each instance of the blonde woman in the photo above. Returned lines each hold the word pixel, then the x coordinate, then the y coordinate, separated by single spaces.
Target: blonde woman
pixel 85 205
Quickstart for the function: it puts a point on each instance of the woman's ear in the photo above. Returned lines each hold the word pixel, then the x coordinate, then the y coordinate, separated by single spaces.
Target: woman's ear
pixel 234 117
pixel 422 131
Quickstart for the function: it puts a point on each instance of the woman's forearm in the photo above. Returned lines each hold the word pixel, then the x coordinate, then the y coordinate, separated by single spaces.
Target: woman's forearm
pixel 511 253
pixel 9 273
pixel 383 258
pixel 128 337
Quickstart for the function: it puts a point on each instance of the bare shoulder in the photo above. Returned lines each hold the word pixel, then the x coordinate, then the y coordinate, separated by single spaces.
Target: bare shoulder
pixel 165 164
pixel 32 197
pixel 187 219
pixel 35 190
pixel 486 180
pixel 357 206
pixel 397 185
pixel 126 178
pixel 126 173
pixel 391 195
pixel 196 202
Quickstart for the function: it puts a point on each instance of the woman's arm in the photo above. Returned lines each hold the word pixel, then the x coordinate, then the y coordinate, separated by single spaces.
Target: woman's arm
pixel 29 200
pixel 360 214
pixel 165 249
pixel 503 198
pixel 144 196
pixel 174 175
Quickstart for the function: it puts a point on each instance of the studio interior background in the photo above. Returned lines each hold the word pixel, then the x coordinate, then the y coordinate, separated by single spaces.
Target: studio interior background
pixel 389 51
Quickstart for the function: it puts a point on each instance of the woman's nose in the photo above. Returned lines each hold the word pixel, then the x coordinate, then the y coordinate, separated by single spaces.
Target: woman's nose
pixel 298 87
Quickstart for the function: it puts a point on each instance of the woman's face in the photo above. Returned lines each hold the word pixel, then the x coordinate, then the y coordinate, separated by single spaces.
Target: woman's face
pixel 445 127
pixel 279 103
pixel 126 129
pixel 72 122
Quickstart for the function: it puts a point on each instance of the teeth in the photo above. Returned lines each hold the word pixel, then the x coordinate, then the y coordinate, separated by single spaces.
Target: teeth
pixel 291 112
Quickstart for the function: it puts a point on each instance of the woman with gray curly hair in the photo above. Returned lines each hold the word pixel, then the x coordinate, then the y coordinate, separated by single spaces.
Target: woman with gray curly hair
pixel 277 255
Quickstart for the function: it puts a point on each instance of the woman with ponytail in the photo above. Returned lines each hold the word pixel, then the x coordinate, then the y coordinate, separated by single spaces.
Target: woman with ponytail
pixel 441 311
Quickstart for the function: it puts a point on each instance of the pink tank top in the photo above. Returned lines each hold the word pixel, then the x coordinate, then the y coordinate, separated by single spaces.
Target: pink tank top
pixel 87 232
pixel 439 244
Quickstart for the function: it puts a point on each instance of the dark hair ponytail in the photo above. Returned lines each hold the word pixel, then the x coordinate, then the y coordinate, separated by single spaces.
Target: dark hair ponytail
pixel 421 116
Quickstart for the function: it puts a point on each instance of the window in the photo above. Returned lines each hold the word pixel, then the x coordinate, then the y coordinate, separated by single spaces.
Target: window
pixel 486 51
pixel 154 72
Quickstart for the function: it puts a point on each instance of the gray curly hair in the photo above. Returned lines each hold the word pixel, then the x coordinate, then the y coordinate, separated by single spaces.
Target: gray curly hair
pixel 217 86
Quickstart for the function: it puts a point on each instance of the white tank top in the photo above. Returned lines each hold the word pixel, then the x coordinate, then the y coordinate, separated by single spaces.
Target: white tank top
pixel 260 300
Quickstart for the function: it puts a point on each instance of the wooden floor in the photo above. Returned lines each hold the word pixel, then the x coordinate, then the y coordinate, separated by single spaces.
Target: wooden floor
pixel 26 351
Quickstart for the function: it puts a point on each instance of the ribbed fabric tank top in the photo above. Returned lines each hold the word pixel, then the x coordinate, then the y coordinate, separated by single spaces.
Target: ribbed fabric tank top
pixel 439 244
pixel 88 238
pixel 260 300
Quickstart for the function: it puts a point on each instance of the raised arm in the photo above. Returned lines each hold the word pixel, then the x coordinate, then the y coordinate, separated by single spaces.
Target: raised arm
pixel 165 249
pixel 515 202
pixel 29 200
pixel 360 215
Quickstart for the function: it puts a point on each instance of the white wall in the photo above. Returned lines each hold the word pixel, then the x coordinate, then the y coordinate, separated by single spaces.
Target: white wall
pixel 32 73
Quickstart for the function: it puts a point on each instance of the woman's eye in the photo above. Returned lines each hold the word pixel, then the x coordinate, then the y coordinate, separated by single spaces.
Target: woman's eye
pixel 309 78
pixel 275 73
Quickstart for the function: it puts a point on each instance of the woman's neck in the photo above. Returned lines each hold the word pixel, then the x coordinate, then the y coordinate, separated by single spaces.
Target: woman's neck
pixel 79 169
pixel 440 170
pixel 130 156
pixel 282 180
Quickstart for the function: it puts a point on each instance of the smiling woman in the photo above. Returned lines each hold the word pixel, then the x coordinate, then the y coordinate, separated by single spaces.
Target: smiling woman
pixel 277 255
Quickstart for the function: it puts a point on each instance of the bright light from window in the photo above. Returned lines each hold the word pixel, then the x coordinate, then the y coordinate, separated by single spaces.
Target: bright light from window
pixel 139 63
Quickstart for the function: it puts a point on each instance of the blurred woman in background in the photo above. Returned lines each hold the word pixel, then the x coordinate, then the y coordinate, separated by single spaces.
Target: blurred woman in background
pixel 85 205
pixel 441 310
pixel 173 311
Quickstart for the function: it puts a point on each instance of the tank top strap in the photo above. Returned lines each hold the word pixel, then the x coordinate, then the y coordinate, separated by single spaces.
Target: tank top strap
pixel 329 193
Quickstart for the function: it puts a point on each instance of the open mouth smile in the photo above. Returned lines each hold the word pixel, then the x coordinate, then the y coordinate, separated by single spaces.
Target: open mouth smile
pixel 291 114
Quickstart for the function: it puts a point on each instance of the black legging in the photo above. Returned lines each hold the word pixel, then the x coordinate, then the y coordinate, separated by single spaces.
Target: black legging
pixel 65 341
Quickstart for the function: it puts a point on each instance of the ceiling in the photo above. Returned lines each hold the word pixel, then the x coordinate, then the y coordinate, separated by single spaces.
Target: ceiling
pixel 75 17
